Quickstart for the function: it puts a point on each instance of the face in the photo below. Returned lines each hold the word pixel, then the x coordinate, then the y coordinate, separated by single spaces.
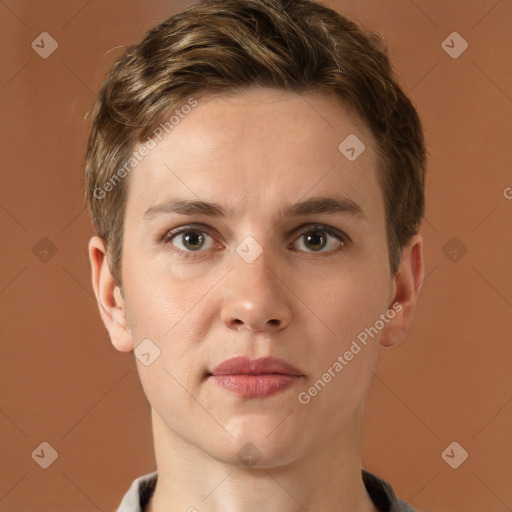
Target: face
pixel 249 233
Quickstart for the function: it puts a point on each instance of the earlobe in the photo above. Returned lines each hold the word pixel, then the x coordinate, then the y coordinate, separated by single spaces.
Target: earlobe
pixel 407 285
pixel 109 296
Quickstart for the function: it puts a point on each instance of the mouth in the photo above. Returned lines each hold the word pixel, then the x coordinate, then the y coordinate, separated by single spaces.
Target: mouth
pixel 255 378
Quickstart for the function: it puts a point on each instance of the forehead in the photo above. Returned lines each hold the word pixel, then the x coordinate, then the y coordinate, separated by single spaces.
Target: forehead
pixel 258 150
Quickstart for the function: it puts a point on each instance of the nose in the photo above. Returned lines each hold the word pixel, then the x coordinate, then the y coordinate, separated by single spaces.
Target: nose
pixel 255 296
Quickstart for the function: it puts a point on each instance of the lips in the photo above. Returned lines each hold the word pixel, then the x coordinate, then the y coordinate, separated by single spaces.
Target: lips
pixel 242 365
pixel 255 378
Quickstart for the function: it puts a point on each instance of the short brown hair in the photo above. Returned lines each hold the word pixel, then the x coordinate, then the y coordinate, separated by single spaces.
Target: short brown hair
pixel 218 46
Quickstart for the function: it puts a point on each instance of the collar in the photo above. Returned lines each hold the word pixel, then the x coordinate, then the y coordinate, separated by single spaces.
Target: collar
pixel 380 492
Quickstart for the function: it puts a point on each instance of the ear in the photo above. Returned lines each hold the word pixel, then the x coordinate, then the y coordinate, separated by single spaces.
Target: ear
pixel 406 288
pixel 109 296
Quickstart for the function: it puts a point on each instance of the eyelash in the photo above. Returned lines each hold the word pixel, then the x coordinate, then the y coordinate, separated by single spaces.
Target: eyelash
pixel 339 235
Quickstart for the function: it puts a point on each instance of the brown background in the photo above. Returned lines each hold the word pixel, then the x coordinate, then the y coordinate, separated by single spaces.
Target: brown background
pixel 61 380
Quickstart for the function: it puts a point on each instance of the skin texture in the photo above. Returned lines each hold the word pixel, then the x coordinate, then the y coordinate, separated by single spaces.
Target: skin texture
pixel 302 301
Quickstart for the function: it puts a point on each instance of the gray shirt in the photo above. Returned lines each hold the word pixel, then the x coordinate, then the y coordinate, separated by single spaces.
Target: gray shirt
pixel 381 493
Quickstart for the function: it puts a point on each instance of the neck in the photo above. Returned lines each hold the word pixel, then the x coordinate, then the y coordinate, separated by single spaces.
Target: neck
pixel 325 478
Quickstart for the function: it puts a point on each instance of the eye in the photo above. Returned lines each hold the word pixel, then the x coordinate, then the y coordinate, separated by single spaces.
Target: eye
pixel 320 238
pixel 195 239
pixel 189 239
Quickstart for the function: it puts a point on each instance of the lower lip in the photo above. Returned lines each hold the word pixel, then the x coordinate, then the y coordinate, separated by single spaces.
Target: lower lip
pixel 256 386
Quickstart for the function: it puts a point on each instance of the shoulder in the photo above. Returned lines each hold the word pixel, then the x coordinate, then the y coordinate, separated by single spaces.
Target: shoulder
pixel 139 493
pixel 383 495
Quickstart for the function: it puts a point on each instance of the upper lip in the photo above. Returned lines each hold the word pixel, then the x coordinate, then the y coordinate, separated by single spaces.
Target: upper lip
pixel 243 365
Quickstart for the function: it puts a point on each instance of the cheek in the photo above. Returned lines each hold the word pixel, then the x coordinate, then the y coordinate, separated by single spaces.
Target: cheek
pixel 347 357
pixel 177 317
pixel 151 310
pixel 160 299
pixel 350 305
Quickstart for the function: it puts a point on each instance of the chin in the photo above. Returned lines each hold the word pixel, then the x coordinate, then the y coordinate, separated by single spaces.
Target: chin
pixel 258 445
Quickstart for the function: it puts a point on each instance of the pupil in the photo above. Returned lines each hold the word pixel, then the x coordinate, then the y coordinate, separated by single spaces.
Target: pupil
pixel 315 238
pixel 193 239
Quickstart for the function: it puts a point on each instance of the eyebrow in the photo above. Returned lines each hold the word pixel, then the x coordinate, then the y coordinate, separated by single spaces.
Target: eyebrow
pixel 311 206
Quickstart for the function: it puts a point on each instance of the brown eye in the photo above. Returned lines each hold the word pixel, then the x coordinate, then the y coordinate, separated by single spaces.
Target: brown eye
pixel 321 239
pixel 315 240
pixel 190 240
